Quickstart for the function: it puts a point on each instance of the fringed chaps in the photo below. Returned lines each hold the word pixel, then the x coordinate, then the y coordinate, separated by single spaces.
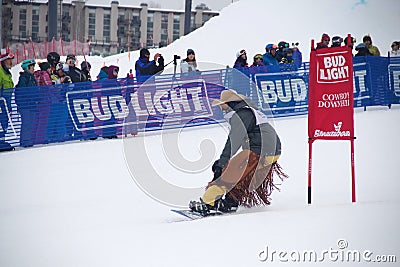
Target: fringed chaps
pixel 249 179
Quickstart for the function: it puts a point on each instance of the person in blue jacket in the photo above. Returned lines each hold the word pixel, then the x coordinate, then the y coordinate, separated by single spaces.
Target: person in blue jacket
pixel 145 67
pixel 297 55
pixel 270 54
pixel 103 74
pixel 27 100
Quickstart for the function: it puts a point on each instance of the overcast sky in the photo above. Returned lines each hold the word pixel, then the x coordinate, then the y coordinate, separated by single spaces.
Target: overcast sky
pixel 170 4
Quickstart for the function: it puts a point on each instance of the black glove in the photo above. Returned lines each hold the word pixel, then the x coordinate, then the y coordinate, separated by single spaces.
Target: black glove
pixel 217 170
pixel 161 60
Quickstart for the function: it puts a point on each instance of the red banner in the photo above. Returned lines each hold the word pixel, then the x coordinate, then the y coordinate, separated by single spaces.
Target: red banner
pixel 330 96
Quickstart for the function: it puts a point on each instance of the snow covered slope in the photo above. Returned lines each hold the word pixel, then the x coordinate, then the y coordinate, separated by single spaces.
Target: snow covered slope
pixel 77 204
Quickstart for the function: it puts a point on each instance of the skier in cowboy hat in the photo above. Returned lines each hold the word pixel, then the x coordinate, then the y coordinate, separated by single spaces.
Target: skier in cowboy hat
pixel 244 178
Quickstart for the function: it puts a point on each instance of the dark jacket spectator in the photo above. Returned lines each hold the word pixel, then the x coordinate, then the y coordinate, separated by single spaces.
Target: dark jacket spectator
pixel 85 68
pixel 257 61
pixel 241 59
pixel 279 53
pixel 145 67
pixel 73 72
pixel 27 100
pixel 362 50
pixel 287 56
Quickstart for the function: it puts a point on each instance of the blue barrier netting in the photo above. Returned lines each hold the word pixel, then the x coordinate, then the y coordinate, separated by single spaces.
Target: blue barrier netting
pixel 111 108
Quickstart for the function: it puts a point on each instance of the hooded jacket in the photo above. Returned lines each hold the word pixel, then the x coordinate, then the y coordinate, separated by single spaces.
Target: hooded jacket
pixel 145 68
pixel 110 74
pixel 262 139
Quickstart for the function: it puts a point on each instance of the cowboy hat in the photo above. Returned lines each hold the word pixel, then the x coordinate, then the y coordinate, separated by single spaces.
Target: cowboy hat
pixel 228 96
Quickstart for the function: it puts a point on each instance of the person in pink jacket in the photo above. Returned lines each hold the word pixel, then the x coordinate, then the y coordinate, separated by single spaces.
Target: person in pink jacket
pixel 43 78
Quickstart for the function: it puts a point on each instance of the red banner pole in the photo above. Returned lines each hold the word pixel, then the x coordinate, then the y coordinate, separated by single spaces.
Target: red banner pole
pixel 353 175
pixel 310 143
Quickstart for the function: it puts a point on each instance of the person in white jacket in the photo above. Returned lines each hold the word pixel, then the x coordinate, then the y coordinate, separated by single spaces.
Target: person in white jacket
pixel 395 49
pixel 189 64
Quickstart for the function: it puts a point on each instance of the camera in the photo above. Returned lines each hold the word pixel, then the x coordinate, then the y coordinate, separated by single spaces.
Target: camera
pixel 177 57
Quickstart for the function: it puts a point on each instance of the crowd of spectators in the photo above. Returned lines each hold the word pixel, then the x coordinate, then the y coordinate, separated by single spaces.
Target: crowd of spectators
pixel 55 71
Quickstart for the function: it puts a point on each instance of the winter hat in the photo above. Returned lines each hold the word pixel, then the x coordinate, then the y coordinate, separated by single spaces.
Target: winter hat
pixel 53 58
pixel 71 56
pixel 228 96
pixel 5 54
pixel 282 45
pixel 337 40
pixel 361 46
pixel 26 63
pixel 325 36
pixel 395 43
pixel 240 53
pixel 190 52
pixel 352 40
pixel 270 46
pixel 144 52
pixel 44 65
pixel 258 56
pixel 367 38
pixel 85 65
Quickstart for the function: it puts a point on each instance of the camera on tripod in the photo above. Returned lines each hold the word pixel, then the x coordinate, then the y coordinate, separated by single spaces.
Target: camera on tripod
pixel 176 57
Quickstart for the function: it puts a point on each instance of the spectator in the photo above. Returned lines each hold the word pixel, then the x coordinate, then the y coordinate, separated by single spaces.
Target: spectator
pixel 287 56
pixel 189 64
pixel 73 72
pixel 325 39
pixel 62 76
pixel 395 49
pixel 297 55
pixel 27 100
pixel 85 68
pixel 336 41
pixel 241 59
pixel 258 61
pixel 113 72
pixel 58 114
pixel 279 53
pixel 362 50
pixel 53 58
pixel 7 89
pixel 42 76
pixel 372 49
pixel 145 67
pixel 269 58
pixel 352 41
pixel 103 74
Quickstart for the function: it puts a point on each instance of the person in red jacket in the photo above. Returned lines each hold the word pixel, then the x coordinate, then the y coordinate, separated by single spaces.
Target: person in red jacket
pixel 43 79
pixel 325 39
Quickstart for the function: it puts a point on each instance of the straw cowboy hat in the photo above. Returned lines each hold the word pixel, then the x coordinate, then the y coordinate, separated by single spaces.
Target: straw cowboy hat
pixel 228 96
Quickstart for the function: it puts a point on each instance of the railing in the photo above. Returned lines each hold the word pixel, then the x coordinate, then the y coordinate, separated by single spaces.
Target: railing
pixel 111 108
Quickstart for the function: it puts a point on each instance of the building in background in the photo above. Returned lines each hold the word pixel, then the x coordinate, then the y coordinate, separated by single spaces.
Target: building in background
pixel 109 29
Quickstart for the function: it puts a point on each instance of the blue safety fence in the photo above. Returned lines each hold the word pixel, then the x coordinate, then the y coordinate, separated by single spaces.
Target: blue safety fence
pixel 114 108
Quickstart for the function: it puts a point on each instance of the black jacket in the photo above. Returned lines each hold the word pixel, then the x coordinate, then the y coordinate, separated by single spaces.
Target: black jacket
pixel 261 139
pixel 76 75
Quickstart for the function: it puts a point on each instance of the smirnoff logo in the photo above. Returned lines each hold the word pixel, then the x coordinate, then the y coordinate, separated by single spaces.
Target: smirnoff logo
pixel 336 133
